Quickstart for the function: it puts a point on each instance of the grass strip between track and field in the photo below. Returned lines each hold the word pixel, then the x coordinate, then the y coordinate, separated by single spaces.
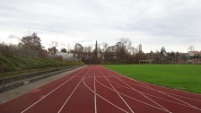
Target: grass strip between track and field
pixel 181 77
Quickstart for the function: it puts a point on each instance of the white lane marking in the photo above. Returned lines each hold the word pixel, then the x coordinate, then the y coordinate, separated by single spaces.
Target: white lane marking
pixel 118 93
pixel 183 97
pixel 193 99
pixel 49 93
pixel 95 106
pixel 143 85
pixel 156 96
pixel 148 87
pixel 138 92
pixel 72 92
pixel 105 99
pixel 190 105
pixel 132 97
pixel 165 93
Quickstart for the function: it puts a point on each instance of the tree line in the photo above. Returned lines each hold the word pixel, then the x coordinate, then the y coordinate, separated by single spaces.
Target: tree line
pixel 121 52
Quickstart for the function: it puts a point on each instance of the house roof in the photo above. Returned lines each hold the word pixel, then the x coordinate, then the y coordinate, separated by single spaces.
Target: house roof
pixel 195 52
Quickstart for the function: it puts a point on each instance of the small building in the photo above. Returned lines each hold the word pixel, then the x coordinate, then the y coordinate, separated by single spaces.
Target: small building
pixel 194 57
pixel 140 47
pixel 194 53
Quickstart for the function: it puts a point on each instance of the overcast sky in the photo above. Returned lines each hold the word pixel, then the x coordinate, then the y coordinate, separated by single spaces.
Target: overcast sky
pixel 174 24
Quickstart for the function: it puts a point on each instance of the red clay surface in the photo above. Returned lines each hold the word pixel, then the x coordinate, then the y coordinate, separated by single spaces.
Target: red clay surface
pixel 95 89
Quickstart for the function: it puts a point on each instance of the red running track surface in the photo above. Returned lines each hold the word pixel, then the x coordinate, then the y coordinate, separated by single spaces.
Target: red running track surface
pixel 95 89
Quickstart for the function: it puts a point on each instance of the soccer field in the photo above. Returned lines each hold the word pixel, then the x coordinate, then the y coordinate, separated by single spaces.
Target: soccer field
pixel 181 77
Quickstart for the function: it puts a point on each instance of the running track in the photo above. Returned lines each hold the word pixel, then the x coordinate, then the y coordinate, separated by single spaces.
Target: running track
pixel 95 89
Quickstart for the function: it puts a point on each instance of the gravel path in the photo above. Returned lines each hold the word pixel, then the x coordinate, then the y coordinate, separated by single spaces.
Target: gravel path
pixel 11 94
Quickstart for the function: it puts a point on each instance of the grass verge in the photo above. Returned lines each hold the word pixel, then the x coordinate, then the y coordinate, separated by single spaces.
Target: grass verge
pixel 182 77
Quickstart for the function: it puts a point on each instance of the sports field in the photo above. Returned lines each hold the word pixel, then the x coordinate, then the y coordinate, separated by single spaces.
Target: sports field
pixel 95 89
pixel 181 77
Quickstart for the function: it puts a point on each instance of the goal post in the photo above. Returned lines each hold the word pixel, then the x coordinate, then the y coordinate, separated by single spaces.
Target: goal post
pixel 141 61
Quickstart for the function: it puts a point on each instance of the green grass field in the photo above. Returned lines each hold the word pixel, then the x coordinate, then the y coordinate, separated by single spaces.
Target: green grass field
pixel 182 77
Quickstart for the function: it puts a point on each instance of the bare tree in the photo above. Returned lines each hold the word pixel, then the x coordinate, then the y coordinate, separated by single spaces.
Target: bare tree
pixel 110 54
pixel 191 48
pixel 78 49
pixel 105 46
pixel 53 47
pixel 31 45
pixel 32 42
pixel 163 50
pixel 53 50
pixel 63 50
pixel 87 49
pixel 54 44
pixel 126 42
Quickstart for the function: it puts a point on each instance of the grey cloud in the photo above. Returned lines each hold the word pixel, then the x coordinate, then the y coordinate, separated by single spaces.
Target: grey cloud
pixel 106 20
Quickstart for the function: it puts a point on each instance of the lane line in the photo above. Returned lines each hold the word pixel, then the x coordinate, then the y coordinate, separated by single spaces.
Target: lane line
pixel 193 99
pixel 72 92
pixel 50 92
pixel 190 105
pixel 175 98
pixel 132 97
pixel 138 91
pixel 143 85
pixel 105 99
pixel 182 96
pixel 155 96
pixel 95 106
pixel 118 93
